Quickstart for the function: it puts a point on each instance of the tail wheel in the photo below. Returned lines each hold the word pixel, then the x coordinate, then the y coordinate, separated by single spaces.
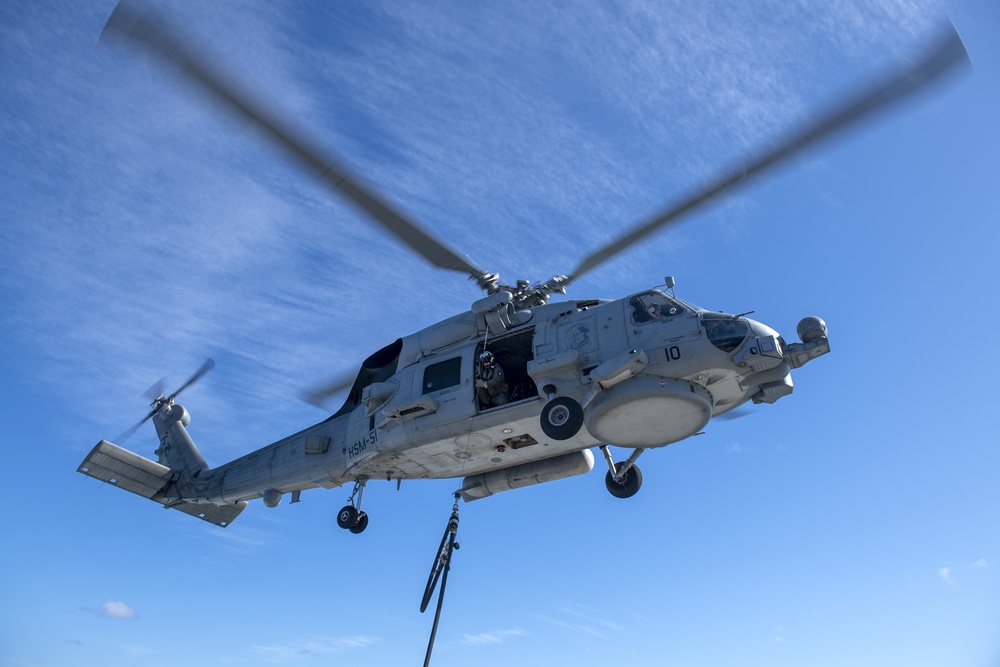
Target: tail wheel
pixel 629 484
pixel 561 418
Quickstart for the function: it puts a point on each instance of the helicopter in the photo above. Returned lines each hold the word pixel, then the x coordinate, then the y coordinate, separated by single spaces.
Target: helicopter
pixel 518 389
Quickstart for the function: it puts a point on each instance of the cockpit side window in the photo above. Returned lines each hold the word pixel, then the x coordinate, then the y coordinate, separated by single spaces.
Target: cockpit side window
pixel 653 306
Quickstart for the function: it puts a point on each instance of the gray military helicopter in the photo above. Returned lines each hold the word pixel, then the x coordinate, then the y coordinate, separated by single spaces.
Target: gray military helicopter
pixel 638 372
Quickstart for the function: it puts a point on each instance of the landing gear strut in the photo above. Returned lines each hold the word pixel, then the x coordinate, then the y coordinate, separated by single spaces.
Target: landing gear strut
pixel 623 479
pixel 350 516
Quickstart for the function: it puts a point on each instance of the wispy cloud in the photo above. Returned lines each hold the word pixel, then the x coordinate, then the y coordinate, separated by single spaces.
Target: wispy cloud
pixel 982 563
pixel 311 648
pixel 583 620
pixel 495 637
pixel 945 574
pixel 238 541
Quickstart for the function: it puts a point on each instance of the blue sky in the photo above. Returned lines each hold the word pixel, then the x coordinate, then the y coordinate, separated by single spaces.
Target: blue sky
pixel 142 230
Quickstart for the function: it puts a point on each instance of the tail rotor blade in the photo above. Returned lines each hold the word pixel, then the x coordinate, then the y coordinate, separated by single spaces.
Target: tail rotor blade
pixel 156 390
pixel 128 434
pixel 205 367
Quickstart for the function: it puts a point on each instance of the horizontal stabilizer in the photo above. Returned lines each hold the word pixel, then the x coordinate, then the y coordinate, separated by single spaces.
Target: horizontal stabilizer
pixel 220 515
pixel 110 463
pixel 117 466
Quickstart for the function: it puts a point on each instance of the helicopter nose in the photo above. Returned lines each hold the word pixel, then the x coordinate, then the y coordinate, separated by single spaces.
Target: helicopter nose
pixel 764 355
pixel 767 348
pixel 769 342
pixel 764 349
pixel 761 330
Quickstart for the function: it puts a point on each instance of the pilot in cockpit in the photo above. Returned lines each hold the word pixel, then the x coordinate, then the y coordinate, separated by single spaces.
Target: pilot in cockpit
pixel 652 307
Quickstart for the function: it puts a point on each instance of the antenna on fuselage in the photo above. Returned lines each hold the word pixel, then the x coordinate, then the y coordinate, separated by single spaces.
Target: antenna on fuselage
pixel 669 283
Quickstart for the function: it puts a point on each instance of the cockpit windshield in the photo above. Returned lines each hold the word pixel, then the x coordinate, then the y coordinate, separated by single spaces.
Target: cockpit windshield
pixel 652 306
pixel 725 332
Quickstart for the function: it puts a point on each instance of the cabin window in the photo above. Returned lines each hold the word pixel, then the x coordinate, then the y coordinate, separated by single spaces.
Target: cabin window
pixel 443 375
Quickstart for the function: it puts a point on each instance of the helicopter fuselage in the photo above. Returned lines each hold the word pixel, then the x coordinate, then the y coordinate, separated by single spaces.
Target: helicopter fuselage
pixel 647 370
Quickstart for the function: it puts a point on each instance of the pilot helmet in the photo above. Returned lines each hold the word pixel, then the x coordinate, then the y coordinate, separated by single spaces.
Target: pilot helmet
pixel 486 357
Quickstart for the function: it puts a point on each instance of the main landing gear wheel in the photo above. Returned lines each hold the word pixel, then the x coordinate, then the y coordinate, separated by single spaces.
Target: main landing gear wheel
pixel 359 525
pixel 347 517
pixel 562 418
pixel 352 520
pixel 629 484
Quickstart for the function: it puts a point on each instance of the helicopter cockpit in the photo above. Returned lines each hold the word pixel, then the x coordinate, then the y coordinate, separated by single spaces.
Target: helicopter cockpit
pixel 726 332
pixel 653 306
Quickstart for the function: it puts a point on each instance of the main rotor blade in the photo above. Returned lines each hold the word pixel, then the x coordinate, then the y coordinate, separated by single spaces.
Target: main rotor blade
pixel 946 53
pixel 129 23
pixel 320 396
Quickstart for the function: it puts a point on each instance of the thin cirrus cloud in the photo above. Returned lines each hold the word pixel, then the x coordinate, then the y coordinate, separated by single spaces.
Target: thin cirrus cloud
pixel 583 620
pixel 495 637
pixel 311 648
